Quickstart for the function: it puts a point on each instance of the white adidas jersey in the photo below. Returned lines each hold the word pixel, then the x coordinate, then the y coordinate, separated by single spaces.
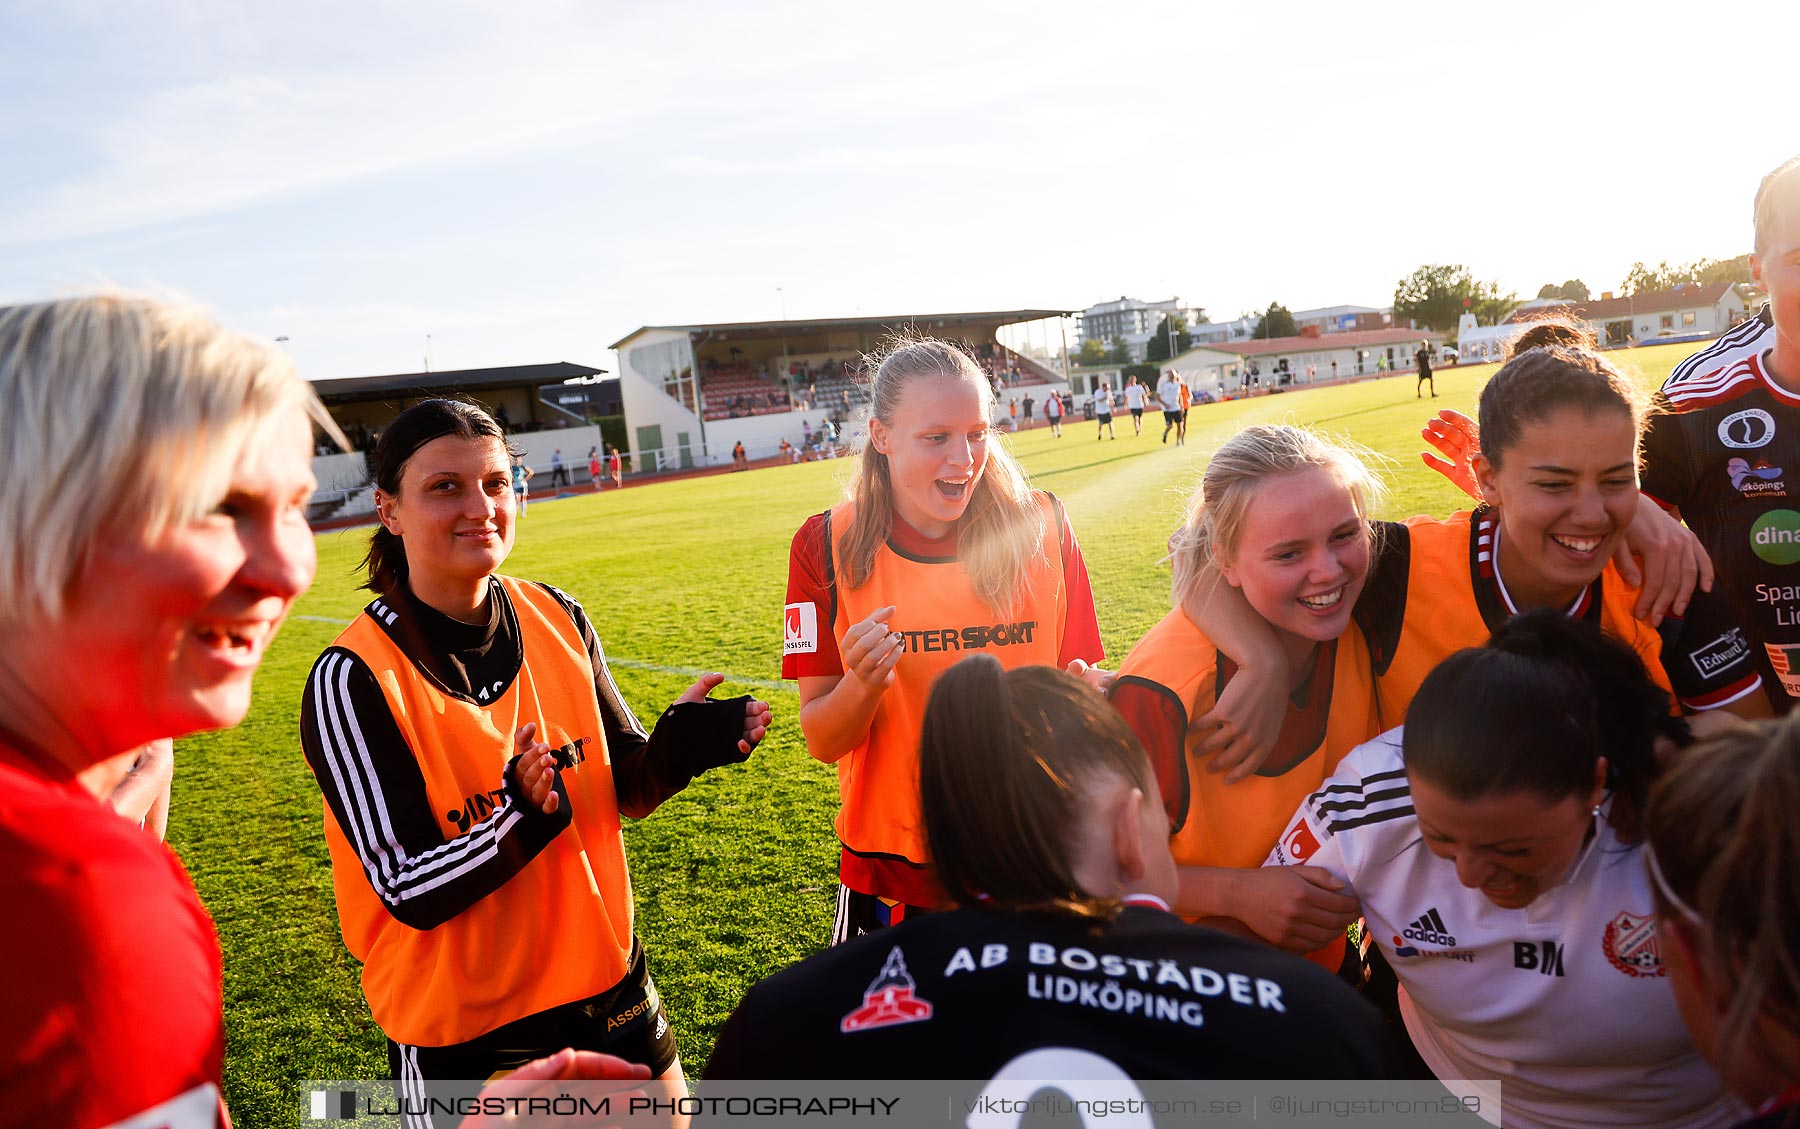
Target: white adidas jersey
pixel 1565 1001
pixel 1134 396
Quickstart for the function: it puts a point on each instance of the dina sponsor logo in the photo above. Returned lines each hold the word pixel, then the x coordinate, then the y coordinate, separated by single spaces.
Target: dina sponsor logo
pixel 1775 537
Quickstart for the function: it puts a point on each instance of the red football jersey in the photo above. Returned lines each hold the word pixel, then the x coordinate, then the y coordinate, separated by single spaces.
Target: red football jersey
pixel 114 1003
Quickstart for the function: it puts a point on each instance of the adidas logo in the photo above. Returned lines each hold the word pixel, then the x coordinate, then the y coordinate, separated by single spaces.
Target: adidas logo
pixel 1430 930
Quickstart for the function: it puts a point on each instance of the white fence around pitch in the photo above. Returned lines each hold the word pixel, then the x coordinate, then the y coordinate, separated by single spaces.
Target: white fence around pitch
pixel 346 492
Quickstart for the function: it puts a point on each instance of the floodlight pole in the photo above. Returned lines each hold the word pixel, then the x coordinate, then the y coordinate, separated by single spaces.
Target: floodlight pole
pixel 786 375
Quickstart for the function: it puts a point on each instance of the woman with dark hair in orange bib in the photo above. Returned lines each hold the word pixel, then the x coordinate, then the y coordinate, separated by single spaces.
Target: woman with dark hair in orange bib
pixel 940 549
pixel 1557 471
pixel 476 757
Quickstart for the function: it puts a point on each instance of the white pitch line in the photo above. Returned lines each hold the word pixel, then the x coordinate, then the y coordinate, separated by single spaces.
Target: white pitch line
pixel 615 660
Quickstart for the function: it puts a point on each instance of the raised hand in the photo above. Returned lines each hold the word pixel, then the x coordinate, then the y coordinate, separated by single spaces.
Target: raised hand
pixel 871 649
pixel 1459 438
pixel 757 714
pixel 536 770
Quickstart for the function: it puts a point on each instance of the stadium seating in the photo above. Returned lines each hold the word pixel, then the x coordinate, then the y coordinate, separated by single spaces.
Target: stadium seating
pixel 825 384
pixel 735 390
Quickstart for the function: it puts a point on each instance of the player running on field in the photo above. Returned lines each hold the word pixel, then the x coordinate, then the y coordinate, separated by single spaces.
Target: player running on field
pixel 1103 411
pixel 521 482
pixel 941 548
pixel 1134 399
pixel 1168 395
pixel 475 758
pixel 1041 812
pixel 1283 516
pixel 1496 845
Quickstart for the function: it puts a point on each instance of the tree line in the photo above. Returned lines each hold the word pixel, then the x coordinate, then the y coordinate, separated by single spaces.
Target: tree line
pixel 1435 296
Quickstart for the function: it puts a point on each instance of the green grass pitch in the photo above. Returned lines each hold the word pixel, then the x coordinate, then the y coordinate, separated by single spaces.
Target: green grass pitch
pixel 734 878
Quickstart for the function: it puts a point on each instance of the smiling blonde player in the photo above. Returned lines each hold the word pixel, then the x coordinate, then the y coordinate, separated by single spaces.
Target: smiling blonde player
pixel 1284 515
pixel 941 548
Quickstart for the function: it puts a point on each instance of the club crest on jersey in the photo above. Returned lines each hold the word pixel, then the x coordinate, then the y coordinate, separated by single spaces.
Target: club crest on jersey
pixel 889 1001
pixel 1629 941
pixel 1747 430
pixel 800 632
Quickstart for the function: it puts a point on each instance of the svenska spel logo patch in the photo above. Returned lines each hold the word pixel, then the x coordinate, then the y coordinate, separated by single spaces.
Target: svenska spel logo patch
pixel 1300 843
pixel 800 634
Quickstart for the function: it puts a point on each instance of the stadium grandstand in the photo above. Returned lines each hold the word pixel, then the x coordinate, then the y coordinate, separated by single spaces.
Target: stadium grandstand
pixel 692 392
pixel 545 408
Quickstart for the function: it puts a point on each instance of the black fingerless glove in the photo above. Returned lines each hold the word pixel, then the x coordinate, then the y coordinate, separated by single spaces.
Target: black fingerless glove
pixel 691 737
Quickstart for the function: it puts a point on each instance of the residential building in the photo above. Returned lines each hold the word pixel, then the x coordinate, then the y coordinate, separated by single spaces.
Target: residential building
pixel 1343 319
pixel 1689 311
pixel 1227 368
pixel 1130 320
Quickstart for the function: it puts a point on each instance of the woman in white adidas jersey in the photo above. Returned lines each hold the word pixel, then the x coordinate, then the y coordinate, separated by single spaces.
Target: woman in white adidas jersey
pixel 1495 845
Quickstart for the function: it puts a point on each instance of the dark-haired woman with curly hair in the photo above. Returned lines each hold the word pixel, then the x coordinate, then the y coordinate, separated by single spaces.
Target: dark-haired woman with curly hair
pixel 1496 844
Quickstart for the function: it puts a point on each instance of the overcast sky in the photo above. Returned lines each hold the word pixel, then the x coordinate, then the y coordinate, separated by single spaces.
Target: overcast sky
pixel 528 182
